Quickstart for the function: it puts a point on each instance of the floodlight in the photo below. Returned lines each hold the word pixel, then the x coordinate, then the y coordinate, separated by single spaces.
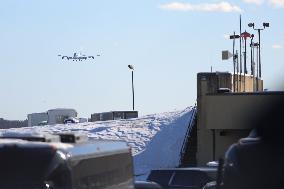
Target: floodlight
pixel 265 24
pixel 234 36
pixel 251 25
pixel 131 67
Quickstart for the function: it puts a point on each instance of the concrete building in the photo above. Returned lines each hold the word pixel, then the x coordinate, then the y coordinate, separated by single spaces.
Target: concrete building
pixel 236 83
pixel 246 83
pixel 57 116
pixel 36 118
pixel 114 115
pixel 53 116
pixel 225 117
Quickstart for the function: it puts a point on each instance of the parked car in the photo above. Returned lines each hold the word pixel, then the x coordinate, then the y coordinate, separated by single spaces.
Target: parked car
pixel 71 120
pixel 42 123
pixel 181 178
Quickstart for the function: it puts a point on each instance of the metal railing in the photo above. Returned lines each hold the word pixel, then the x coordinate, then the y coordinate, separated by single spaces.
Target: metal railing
pixel 188 132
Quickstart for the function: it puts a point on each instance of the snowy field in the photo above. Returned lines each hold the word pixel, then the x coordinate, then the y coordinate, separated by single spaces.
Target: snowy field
pixel 156 140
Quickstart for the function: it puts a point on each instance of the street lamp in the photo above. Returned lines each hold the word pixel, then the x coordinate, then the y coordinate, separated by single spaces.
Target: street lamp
pixel 132 69
pixel 265 25
pixel 254 71
pixel 235 56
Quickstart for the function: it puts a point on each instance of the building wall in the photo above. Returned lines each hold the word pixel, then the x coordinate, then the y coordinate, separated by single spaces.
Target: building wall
pixel 102 116
pixel 207 83
pixel 95 117
pixel 224 139
pixel 35 118
pixel 247 83
pixel 106 116
pixel 113 115
pixel 57 116
pixel 210 82
pixel 234 110
pixel 225 118
pixel 130 114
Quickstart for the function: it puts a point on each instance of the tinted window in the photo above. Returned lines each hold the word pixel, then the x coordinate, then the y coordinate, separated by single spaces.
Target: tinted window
pixel 23 168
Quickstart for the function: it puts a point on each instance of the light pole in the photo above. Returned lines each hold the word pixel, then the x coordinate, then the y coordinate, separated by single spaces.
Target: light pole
pixel 265 24
pixel 234 61
pixel 132 70
pixel 251 55
pixel 241 67
pixel 245 35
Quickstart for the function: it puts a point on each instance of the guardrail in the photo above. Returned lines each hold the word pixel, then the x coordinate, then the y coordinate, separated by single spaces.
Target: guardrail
pixel 188 132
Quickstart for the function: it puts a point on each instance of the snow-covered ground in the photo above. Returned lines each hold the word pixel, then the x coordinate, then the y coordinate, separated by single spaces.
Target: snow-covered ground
pixel 156 140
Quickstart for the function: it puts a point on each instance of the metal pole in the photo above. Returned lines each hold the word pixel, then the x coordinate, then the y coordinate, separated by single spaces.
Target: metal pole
pixel 234 63
pixel 245 64
pixel 251 61
pixel 240 52
pixel 132 92
pixel 237 71
pixel 259 53
pixel 251 55
pixel 257 66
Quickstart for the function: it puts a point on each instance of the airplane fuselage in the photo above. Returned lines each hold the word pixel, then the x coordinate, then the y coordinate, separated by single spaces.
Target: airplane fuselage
pixel 77 57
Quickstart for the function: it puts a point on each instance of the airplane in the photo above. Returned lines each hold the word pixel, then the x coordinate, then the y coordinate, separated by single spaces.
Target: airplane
pixel 78 57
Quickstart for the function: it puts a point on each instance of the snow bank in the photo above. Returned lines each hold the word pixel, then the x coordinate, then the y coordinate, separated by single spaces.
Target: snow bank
pixel 163 151
pixel 156 140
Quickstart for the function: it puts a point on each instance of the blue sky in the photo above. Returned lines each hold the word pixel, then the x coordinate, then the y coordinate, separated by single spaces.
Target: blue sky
pixel 168 42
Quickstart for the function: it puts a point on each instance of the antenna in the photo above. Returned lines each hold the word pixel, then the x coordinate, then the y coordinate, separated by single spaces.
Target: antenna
pixel 240 52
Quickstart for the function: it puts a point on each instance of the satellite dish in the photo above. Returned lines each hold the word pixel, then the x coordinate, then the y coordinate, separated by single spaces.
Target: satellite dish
pixel 226 55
